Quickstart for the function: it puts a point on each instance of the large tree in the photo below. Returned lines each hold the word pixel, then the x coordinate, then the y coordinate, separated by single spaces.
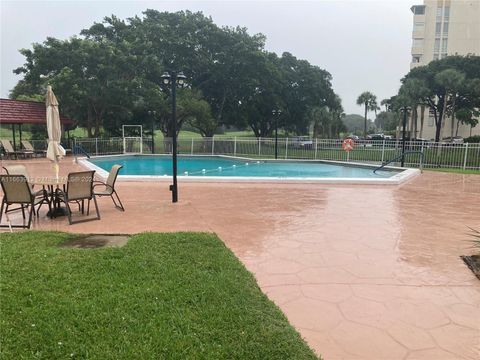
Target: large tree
pixel 449 90
pixel 111 75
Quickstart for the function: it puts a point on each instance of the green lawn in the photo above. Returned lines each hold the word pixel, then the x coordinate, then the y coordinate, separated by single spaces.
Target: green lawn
pixel 162 296
pixel 458 171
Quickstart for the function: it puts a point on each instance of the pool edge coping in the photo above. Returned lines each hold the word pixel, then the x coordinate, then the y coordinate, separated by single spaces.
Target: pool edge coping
pixel 401 177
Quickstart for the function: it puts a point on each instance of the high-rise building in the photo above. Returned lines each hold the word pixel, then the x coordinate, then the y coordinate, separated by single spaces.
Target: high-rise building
pixel 442 28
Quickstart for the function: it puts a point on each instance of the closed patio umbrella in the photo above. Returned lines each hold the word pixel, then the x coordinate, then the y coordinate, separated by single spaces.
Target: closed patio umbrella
pixel 55 151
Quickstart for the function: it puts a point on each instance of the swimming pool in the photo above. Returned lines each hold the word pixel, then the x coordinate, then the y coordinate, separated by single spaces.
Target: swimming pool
pixel 223 168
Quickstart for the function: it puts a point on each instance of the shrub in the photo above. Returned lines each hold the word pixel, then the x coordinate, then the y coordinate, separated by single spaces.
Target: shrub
pixel 472 139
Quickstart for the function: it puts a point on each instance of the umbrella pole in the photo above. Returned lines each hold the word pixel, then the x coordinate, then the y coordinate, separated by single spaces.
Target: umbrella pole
pixel 57 169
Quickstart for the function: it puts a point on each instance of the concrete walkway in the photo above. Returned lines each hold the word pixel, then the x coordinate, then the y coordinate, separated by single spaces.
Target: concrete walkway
pixel 363 272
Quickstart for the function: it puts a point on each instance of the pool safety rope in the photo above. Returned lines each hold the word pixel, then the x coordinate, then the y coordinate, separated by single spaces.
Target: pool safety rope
pixel 220 169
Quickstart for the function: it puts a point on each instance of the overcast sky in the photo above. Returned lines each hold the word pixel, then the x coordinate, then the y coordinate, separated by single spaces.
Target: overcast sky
pixel 365 45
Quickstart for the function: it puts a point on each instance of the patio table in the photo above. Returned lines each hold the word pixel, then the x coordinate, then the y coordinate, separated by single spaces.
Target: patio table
pixel 52 184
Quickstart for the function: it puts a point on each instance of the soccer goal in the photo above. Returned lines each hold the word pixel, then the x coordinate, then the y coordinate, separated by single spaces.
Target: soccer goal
pixel 132 139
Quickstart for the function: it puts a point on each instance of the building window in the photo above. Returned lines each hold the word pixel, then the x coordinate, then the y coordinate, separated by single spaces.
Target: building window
pixel 436 46
pixel 431 120
pixel 439 12
pixel 417 43
pixel 416 58
pixel 445 28
pixel 444 45
pixel 446 13
pixel 438 28
pixel 418 26
pixel 435 56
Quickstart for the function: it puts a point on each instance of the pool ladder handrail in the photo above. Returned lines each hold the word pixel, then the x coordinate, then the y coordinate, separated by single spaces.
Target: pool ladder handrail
pixel 77 149
pixel 385 163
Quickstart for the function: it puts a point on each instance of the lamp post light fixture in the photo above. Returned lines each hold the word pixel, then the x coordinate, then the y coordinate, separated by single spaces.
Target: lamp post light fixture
pixel 152 115
pixel 276 114
pixel 174 79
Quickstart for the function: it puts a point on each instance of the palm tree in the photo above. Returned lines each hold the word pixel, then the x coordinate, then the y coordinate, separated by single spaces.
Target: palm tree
pixel 369 101
pixel 386 103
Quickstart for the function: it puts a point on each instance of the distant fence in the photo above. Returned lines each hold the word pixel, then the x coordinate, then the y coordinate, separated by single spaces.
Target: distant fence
pixel 436 155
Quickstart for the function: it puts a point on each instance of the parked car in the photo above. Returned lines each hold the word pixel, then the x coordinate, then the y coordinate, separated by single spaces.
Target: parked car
pixel 353 137
pixel 302 142
pixel 375 137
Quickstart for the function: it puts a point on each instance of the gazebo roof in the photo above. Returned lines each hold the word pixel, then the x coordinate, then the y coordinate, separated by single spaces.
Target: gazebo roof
pixel 25 112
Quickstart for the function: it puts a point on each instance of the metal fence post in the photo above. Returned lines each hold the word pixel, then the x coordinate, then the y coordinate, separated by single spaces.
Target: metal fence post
pixel 191 148
pixel 213 145
pixel 235 146
pixel 74 149
pixel 316 146
pixel 259 145
pixel 383 150
pixel 286 148
pixel 96 146
pixel 422 155
pixel 465 157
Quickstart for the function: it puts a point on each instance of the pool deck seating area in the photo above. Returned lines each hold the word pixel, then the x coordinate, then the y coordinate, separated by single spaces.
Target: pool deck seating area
pixel 362 271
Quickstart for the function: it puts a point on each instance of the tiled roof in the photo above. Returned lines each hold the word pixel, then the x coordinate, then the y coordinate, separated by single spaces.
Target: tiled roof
pixel 25 112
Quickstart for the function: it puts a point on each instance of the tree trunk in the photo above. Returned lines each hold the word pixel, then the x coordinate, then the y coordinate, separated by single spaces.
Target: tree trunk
pixel 439 118
pixel 415 120
pixel 453 117
pixel 440 127
pixel 89 122
pixel 315 129
pixel 442 117
pixel 422 117
pixel 222 105
pixel 365 123
pixel 437 125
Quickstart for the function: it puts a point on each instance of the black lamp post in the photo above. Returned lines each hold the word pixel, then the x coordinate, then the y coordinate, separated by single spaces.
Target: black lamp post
pixel 276 114
pixel 174 79
pixel 152 114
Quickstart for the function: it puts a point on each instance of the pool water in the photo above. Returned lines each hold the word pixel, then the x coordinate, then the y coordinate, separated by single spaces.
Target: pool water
pixel 234 167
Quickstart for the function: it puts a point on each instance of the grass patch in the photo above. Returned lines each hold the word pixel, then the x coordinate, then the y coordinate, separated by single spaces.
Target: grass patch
pixel 162 296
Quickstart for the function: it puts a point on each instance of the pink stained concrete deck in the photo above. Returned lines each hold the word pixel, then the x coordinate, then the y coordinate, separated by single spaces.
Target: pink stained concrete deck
pixel 363 272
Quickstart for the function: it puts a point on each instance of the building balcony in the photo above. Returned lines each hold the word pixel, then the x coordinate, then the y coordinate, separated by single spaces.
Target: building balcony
pixel 418 34
pixel 417 50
